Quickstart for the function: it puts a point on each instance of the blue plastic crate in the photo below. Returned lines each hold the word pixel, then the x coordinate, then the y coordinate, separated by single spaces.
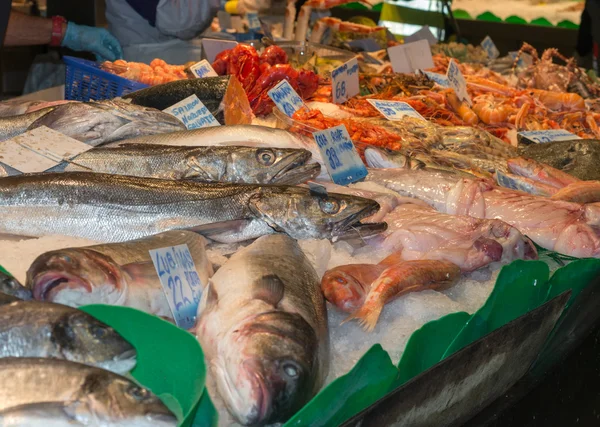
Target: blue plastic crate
pixel 86 81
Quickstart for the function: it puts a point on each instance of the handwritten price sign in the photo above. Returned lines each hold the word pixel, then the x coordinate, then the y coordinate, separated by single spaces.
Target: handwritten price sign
pixel 457 82
pixel 286 98
pixel 344 81
pixel 341 159
pixel 193 113
pixel 203 69
pixel 394 110
pixel 181 283
pixel 542 136
pixel 490 48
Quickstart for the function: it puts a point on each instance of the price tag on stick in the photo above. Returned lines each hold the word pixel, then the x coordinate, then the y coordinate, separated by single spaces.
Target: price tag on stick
pixel 181 283
pixel 440 79
pixel 341 159
pixel 408 57
pixel 344 81
pixel 490 48
pixel 203 69
pixel 193 113
pixel 286 98
pixel 394 110
pixel 542 136
pixel 457 82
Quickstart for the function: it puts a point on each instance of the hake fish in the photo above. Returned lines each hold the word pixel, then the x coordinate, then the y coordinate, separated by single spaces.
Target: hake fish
pixel 263 327
pixel 116 274
pixel 110 399
pixel 208 164
pixel 114 208
pixel 39 329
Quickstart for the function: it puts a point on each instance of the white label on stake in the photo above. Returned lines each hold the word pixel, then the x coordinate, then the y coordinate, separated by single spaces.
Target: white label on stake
pixel 399 59
pixel 457 82
pixel 180 281
pixel 40 149
pixel 193 113
pixel 408 57
pixel 253 22
pixel 423 34
pixel 203 69
pixel 342 161
pixel 440 79
pixel 212 47
pixel 394 110
pixel 542 136
pixel 490 48
pixel 344 81
pixel 286 98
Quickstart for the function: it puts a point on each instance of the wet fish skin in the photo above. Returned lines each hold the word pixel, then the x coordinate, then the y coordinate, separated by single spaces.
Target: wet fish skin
pixel 16 125
pixel 127 208
pixel 116 274
pixel 39 329
pixel 11 286
pixel 263 327
pixel 111 397
pixel 208 164
pixel 346 286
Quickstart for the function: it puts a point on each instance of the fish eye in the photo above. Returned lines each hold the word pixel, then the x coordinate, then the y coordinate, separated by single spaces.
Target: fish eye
pixel 98 332
pixel 138 393
pixel 291 370
pixel 265 157
pixel 341 280
pixel 329 206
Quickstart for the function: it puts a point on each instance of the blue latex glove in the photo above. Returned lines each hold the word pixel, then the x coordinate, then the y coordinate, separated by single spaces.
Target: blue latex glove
pixel 90 39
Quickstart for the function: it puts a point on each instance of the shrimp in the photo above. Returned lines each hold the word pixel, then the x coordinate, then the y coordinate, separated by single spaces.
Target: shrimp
pixel 489 111
pixel 559 101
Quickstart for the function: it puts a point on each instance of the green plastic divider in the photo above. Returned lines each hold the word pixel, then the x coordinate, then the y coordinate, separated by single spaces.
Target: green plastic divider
pixel 488 16
pixel 359 6
pixel 206 415
pixel 5 272
pixel 542 22
pixel 513 19
pixel 574 276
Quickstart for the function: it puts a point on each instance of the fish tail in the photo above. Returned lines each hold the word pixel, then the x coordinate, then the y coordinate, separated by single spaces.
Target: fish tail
pixel 367 316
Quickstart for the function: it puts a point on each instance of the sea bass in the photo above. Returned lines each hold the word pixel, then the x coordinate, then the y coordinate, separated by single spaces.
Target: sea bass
pixel 96 123
pixel 242 135
pixel 16 125
pixel 263 327
pixel 38 329
pixel 224 97
pixel 209 164
pixel 111 398
pixel 116 274
pixel 114 208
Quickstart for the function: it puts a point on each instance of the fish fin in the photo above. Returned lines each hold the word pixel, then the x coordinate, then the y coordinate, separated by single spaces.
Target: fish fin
pixel 141 271
pixel 219 227
pixel 269 288
pixel 392 259
pixel 367 316
pixel 212 298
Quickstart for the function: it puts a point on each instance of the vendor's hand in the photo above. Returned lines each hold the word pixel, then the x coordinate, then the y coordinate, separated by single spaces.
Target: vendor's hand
pixel 90 39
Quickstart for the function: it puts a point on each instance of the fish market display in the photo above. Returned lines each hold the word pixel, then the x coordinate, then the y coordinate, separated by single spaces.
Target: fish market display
pixel 131 207
pixel 263 327
pixel 109 398
pixel 223 96
pixel 209 164
pixel 157 72
pixel 115 274
pixel 37 329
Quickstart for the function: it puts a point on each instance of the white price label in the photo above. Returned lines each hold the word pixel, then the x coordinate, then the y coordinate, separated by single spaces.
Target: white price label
pixel 341 159
pixel 253 22
pixel 182 285
pixel 457 82
pixel 490 48
pixel 40 149
pixel 440 79
pixel 344 81
pixel 394 110
pixel 408 57
pixel 193 113
pixel 423 34
pixel 286 98
pixel 203 69
pixel 212 47
pixel 542 136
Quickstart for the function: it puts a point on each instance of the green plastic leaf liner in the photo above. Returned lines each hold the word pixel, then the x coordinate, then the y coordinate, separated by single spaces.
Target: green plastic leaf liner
pixel 170 361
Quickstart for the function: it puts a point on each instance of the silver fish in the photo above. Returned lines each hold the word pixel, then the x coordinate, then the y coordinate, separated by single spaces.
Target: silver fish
pixel 96 123
pixel 17 107
pixel 38 329
pixel 113 208
pixel 10 286
pixel 263 327
pixel 116 274
pixel 16 125
pixel 209 164
pixel 110 397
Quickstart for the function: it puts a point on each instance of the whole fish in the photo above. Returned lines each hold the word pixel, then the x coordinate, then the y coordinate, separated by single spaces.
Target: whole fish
pixel 11 286
pixel 18 107
pixel 48 414
pixel 263 327
pixel 115 274
pixel 111 398
pixel 241 135
pixel 209 164
pixel 16 125
pixel 113 208
pixel 346 286
pixel 96 123
pixel 39 329
pixel 224 97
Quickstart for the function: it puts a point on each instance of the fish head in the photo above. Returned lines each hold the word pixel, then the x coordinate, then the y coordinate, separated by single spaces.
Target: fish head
pixel 124 402
pixel 303 214
pixel 268 370
pixel 10 286
pixel 342 289
pixel 76 277
pixel 82 338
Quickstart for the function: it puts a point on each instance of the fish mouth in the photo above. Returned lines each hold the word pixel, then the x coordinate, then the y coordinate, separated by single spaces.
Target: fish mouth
pixel 297 170
pixel 46 286
pixel 352 227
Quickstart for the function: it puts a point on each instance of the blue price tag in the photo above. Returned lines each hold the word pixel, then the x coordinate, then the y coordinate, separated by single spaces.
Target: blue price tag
pixel 203 69
pixel 457 82
pixel 490 48
pixel 344 81
pixel 440 79
pixel 286 98
pixel 394 110
pixel 253 22
pixel 181 283
pixel 193 113
pixel 341 159
pixel 542 136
